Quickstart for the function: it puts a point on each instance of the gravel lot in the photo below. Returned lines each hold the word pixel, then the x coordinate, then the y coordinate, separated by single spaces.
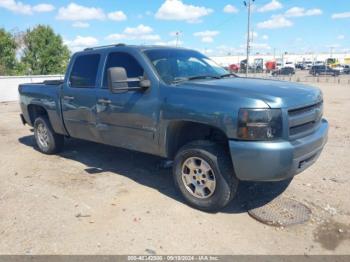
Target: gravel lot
pixel 95 199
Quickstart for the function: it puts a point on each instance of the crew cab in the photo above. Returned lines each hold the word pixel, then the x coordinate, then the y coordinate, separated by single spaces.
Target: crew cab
pixel 323 70
pixel 178 104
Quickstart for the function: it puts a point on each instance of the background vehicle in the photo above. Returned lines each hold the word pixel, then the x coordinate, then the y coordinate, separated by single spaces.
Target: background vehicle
pixel 234 68
pixel 258 65
pixel 332 62
pixel 346 69
pixel 319 63
pixel 178 104
pixel 339 68
pixel 270 66
pixel 243 66
pixel 284 71
pixel 323 70
pixel 289 64
pixel 300 65
pixel 308 65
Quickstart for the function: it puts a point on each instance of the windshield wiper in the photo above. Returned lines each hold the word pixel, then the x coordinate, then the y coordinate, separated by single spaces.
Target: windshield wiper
pixel 202 77
pixel 184 79
pixel 228 75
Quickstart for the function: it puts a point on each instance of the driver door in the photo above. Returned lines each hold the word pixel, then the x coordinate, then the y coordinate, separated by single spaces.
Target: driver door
pixel 128 118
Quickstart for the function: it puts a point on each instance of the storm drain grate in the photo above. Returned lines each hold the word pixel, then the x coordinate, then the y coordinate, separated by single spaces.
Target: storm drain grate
pixel 280 212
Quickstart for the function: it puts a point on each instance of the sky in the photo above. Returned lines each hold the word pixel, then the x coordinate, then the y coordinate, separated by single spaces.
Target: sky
pixel 216 27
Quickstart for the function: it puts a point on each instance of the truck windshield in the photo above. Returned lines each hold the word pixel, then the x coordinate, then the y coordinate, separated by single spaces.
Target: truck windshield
pixel 177 65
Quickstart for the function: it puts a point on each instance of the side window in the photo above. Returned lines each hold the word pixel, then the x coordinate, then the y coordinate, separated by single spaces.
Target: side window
pixel 119 59
pixel 84 71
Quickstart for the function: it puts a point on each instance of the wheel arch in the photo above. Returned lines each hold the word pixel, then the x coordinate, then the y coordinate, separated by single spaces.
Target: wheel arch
pixel 179 133
pixel 35 111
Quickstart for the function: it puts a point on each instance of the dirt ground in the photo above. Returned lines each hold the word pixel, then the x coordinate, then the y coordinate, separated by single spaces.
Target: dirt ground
pixel 95 199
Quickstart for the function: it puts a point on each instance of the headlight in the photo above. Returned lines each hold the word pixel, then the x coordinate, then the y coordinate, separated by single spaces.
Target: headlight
pixel 259 124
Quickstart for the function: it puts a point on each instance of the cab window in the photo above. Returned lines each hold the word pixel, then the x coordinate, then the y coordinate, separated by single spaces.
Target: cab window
pixel 119 59
pixel 84 71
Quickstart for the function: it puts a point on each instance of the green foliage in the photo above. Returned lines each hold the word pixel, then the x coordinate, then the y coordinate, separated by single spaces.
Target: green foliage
pixel 8 60
pixel 44 51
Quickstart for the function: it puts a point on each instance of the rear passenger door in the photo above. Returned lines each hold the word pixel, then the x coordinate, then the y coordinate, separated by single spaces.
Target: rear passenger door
pixel 128 119
pixel 79 97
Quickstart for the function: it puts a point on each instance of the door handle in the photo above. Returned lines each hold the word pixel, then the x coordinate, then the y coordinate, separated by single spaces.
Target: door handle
pixel 104 101
pixel 68 97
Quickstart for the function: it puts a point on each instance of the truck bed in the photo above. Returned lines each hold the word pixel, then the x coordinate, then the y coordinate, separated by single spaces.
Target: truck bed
pixel 46 95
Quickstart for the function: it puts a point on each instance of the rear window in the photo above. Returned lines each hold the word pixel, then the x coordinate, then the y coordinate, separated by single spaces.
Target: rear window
pixel 84 71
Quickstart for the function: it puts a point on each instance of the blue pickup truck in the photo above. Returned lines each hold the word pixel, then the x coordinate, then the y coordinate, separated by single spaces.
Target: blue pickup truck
pixel 176 103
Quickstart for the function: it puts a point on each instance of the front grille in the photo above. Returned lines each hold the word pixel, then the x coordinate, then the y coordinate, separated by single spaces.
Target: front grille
pixel 304 120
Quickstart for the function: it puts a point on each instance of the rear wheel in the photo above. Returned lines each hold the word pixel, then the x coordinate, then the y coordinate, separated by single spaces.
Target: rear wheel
pixel 203 173
pixel 46 139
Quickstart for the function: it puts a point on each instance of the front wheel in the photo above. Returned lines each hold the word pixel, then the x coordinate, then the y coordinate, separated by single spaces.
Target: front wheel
pixel 204 174
pixel 46 139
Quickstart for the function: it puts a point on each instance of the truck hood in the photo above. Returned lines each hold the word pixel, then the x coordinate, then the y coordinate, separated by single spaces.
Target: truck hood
pixel 276 94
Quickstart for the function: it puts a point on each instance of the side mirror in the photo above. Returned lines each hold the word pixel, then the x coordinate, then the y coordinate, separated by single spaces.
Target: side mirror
pixel 118 80
pixel 145 83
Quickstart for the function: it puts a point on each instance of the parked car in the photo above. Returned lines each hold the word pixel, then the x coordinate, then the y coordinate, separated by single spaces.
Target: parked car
pixel 178 104
pixel 339 68
pixel 308 65
pixel 300 65
pixel 347 69
pixel 289 64
pixel 319 63
pixel 234 68
pixel 323 70
pixel 284 71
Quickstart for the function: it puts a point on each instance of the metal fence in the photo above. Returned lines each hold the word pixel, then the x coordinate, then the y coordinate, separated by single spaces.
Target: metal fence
pixel 340 80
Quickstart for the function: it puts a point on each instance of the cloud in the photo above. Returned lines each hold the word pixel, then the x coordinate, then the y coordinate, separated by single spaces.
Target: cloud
pixel 117 16
pixel 81 42
pixel 230 9
pixel 42 8
pixel 299 11
pixel 273 5
pixel 340 37
pixel 341 15
pixel 75 12
pixel 229 50
pixel 21 8
pixel 81 25
pixel 140 29
pixel 206 36
pixel 265 37
pixel 274 22
pixel 177 10
pixel 141 32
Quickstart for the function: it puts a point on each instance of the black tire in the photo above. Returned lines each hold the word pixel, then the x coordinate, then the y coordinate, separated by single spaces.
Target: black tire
pixel 220 162
pixel 55 142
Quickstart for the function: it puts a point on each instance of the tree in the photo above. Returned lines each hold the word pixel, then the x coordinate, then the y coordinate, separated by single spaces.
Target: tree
pixel 44 51
pixel 7 53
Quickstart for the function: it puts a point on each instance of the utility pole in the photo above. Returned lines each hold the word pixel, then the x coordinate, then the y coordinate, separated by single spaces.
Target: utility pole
pixel 248 4
pixel 177 34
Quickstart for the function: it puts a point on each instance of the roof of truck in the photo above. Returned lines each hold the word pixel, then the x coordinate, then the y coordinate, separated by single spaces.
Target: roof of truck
pixel 139 47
